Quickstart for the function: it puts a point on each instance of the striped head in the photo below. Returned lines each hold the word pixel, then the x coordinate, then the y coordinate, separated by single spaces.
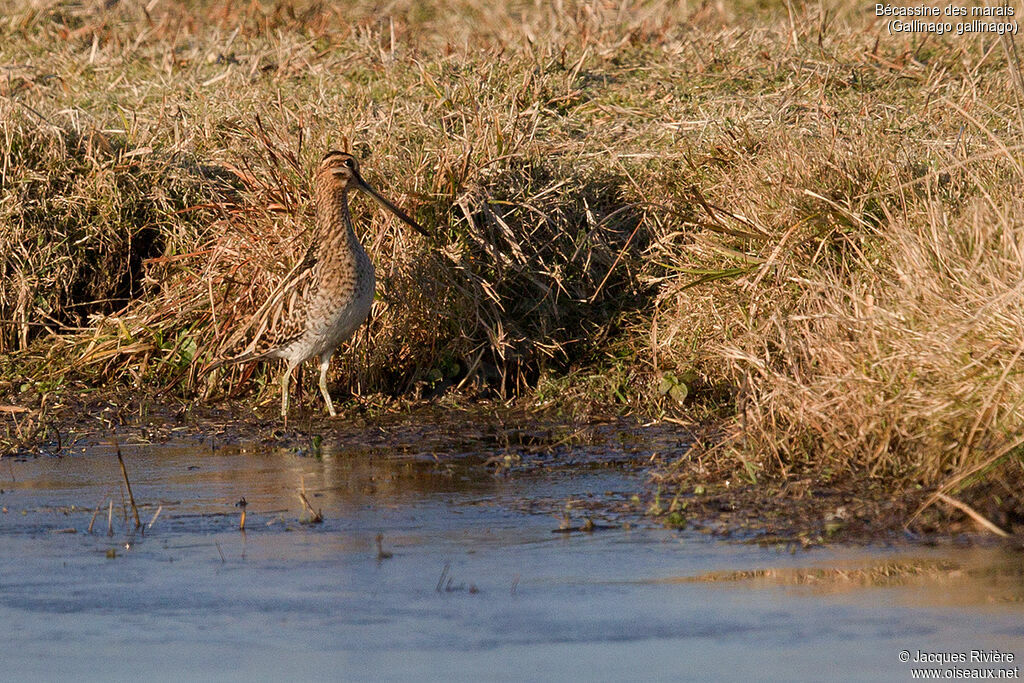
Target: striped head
pixel 340 168
pixel 340 171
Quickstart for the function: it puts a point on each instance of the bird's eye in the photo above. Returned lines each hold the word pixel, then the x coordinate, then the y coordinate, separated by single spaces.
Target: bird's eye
pixel 348 162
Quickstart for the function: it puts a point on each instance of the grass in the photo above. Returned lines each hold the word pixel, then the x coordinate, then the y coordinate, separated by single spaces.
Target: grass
pixel 776 217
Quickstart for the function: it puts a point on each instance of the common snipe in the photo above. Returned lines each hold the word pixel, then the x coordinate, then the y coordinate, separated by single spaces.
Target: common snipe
pixel 330 293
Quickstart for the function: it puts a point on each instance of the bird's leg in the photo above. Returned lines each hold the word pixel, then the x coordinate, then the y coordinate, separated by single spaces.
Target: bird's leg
pixel 285 379
pixel 325 362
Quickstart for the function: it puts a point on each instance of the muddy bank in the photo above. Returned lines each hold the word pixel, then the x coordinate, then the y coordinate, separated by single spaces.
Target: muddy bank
pixel 674 486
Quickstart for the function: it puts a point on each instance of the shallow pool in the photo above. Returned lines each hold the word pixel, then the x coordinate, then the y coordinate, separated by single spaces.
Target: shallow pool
pixel 471 578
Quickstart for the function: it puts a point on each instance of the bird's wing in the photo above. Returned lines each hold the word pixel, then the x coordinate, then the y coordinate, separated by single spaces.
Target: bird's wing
pixel 280 320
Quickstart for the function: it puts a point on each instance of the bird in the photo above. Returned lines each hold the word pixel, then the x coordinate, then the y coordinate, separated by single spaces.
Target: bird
pixel 328 296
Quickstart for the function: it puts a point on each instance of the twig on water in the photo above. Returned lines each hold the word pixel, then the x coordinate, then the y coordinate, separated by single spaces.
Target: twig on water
pixel 381 553
pixel 99 506
pixel 128 485
pixel 155 515
pixel 972 513
pixel 444 575
pixel 124 505
pixel 241 522
pixel 94 516
pixel 315 516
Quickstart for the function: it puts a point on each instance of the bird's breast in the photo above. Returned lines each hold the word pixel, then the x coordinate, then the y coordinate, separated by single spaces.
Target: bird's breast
pixel 344 300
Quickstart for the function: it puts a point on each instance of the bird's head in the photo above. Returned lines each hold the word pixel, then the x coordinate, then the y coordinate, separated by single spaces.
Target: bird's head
pixel 339 170
pixel 341 167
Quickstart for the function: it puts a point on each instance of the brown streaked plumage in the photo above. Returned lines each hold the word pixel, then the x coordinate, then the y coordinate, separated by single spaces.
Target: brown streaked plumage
pixel 328 296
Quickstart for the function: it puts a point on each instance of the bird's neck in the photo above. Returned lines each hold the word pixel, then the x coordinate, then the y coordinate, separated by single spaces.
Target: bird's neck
pixel 334 222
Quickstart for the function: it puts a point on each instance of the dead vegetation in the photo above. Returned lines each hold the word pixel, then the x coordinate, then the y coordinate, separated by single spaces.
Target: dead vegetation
pixel 783 218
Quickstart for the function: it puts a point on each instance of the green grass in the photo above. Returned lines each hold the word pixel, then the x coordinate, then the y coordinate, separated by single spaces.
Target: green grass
pixel 812 226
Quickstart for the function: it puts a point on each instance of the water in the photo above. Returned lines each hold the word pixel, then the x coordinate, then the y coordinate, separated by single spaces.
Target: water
pixel 477 586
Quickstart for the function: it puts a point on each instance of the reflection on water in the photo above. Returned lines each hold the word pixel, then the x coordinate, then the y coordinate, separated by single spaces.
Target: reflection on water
pixel 473 584
pixel 968 577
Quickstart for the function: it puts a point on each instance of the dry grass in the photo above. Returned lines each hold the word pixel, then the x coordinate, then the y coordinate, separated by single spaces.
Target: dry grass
pixel 810 227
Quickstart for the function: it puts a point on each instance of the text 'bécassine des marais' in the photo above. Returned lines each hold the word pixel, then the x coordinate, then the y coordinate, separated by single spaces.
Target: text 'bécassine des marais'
pixel 931 19
pixel 948 11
